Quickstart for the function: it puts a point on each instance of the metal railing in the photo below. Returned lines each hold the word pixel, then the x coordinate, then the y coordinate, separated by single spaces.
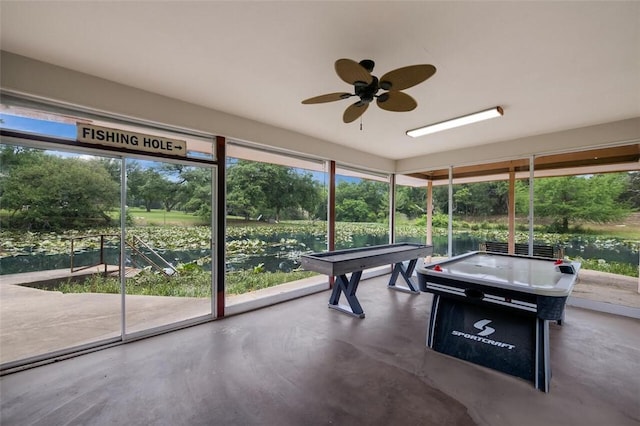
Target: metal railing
pixel 135 244
pixel 101 262
pixel 138 252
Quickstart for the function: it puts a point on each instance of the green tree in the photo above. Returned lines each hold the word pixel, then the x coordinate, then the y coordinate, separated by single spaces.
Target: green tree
pixel 354 211
pixel 362 195
pixel 135 180
pixel 154 188
pixel 631 194
pixel 320 211
pixel 49 192
pixel 411 201
pixel 522 196
pixel 481 199
pixel 462 200
pixel 570 198
pixel 441 199
pixel 172 194
pixel 111 165
pixel 196 191
pixel 12 158
pixel 255 188
pixel 245 196
pixel 497 195
pixel 169 186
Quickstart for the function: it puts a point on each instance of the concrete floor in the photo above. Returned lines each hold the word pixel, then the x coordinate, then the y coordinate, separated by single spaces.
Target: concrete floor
pixel 299 363
pixel 34 322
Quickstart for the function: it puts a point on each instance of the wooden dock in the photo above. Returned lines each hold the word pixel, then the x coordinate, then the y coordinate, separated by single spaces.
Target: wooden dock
pixel 33 279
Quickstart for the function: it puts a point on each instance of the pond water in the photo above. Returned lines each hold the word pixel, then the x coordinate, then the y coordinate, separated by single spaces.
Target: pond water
pixel 282 251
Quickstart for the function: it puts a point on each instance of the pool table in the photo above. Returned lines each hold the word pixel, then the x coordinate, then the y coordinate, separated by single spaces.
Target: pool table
pixel 494 309
pixel 339 263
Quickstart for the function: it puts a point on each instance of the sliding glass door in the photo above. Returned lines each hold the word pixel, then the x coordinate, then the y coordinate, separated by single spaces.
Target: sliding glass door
pixel 168 253
pixel 59 227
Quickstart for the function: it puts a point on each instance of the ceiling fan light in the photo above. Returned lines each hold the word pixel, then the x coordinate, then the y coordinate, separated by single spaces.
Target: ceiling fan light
pixel 456 122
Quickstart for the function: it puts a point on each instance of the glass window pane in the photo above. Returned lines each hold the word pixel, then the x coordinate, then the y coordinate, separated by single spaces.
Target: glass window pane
pixel 168 243
pixel 276 211
pixel 411 210
pixel 362 209
pixel 593 219
pixel 60 217
pixel 59 227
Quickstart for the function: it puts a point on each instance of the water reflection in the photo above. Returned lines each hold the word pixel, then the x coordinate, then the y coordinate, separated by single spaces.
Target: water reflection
pixel 282 251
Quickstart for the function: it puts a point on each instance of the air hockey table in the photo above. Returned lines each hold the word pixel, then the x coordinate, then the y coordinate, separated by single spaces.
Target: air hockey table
pixel 494 309
pixel 339 263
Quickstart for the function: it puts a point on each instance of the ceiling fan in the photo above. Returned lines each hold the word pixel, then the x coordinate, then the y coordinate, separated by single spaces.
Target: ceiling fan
pixel 367 86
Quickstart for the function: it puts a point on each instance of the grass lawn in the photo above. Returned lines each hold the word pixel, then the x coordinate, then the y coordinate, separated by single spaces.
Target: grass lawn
pixel 141 217
pixel 628 228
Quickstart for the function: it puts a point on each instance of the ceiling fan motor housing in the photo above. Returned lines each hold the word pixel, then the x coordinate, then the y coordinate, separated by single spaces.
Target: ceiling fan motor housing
pixel 367 93
pixel 367 64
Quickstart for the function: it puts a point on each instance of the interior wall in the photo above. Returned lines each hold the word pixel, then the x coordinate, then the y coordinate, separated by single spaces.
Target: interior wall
pixel 590 137
pixel 35 78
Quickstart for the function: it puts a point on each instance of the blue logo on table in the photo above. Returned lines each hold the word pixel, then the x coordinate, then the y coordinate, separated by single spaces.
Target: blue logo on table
pixel 485 330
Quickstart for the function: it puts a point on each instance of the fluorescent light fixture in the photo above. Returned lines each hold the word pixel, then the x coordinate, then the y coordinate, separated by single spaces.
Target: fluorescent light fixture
pixel 456 122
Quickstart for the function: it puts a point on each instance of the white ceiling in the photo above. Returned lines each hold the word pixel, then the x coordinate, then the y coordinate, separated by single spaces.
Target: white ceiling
pixel 551 65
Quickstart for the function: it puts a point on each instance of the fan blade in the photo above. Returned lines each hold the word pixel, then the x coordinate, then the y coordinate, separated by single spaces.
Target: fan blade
pixel 396 101
pixel 352 72
pixel 330 97
pixel 354 111
pixel 403 78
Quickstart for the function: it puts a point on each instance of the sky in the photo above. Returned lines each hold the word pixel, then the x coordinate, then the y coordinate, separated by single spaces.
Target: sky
pixel 49 128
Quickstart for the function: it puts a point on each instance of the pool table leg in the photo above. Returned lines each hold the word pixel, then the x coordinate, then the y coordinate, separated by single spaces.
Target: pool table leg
pixel 398 269
pixel 348 287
